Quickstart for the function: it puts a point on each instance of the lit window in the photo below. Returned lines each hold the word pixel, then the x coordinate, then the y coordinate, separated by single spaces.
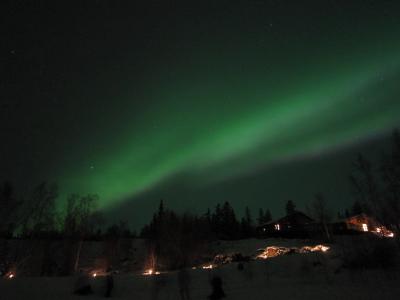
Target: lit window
pixel 365 227
pixel 277 227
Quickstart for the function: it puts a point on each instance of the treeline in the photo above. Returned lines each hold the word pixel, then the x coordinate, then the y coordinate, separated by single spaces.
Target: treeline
pixel 221 223
pixel 178 240
pixel 58 234
pixel 37 215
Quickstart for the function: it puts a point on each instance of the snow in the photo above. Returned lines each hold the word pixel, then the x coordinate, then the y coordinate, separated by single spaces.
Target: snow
pixel 298 276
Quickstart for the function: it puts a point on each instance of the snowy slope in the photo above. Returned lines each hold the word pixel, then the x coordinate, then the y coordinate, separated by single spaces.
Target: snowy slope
pixel 297 276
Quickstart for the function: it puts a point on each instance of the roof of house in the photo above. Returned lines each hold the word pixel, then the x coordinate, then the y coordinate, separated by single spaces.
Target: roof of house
pixel 297 217
pixel 360 217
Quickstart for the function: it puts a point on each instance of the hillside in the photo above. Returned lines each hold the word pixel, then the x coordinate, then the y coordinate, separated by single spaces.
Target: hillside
pixel 298 276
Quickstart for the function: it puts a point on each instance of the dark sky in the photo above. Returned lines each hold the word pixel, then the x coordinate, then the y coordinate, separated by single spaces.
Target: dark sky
pixel 254 102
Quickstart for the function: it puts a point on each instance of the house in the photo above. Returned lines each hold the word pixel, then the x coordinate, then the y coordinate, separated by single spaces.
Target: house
pixel 359 224
pixel 296 225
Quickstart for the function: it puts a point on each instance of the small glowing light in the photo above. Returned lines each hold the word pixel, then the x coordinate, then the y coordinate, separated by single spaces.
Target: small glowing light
pixel 151 272
pixel 10 276
pixel 274 251
pixel 383 232
pixel 321 248
pixel 277 227
pixel 208 267
pixel 365 227
pixel 94 274
pixel 324 248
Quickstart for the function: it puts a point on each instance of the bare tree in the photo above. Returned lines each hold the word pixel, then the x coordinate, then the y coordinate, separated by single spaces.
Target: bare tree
pixel 366 186
pixel 320 213
pixel 79 220
pixel 390 171
pixel 9 220
pixel 40 210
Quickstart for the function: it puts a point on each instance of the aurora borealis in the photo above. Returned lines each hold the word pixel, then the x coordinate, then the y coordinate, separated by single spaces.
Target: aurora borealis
pixel 173 100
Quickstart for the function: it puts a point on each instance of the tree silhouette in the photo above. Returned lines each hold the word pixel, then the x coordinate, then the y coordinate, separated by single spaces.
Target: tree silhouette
pixel 267 216
pixel 10 207
pixel 390 173
pixel 290 207
pixel 320 213
pixel 247 226
pixel 40 210
pixel 264 217
pixel 78 222
pixel 356 209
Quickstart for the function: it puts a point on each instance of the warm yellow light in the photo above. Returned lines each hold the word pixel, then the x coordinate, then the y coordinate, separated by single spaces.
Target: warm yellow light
pixel 277 227
pixel 273 251
pixel 151 272
pixel 208 267
pixel 365 227
pixel 94 274
pixel 324 248
pixel 10 276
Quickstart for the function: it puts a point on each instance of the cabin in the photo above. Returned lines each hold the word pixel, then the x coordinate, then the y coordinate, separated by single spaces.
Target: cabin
pixel 360 224
pixel 296 225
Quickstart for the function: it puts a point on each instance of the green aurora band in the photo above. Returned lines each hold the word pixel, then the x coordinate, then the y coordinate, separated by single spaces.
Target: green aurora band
pixel 219 111
pixel 194 137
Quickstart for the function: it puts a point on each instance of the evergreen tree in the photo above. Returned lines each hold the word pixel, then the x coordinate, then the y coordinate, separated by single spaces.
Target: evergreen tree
pixel 356 209
pixel 207 216
pixel 290 207
pixel 260 218
pixel 267 216
pixel 249 220
pixel 264 217
pixel 246 224
pixel 161 209
pixel 216 220
pixel 229 223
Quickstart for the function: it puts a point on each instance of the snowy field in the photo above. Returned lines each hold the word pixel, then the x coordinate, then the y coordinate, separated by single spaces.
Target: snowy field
pixel 297 276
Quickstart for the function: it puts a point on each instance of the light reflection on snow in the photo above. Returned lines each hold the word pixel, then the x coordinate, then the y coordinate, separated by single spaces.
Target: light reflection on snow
pixel 208 266
pixel 273 251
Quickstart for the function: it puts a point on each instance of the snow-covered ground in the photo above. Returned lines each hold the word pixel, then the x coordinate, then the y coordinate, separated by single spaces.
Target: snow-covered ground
pixel 297 276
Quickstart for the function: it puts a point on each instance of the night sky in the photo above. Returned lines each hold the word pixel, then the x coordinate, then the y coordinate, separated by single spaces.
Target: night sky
pixel 254 102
